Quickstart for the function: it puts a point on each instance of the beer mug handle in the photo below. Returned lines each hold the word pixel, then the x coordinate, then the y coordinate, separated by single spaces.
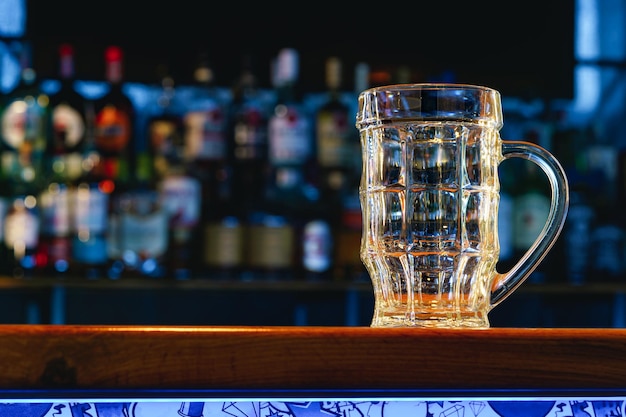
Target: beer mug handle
pixel 506 282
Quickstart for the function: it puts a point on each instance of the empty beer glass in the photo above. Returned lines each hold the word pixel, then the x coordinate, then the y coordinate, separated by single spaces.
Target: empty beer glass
pixel 429 195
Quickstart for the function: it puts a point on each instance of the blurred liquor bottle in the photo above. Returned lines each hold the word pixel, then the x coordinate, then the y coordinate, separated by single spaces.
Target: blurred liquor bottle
pixel 332 179
pixel 21 231
pixel 23 120
pixel 318 216
pixel 224 237
pixel 205 156
pixel 142 233
pixel 90 201
pixel 247 134
pixel 66 141
pixel 571 251
pixel 334 125
pixel 181 196
pixel 247 131
pixel 348 264
pixel 164 141
pixel 607 240
pixel 226 221
pixel 290 130
pixel 114 122
pixel 205 143
pixel 531 190
pixel 206 152
pixel 186 154
pixel 607 244
pixel 106 171
pixel 531 208
pixel 576 241
pixel 143 227
pixel 272 247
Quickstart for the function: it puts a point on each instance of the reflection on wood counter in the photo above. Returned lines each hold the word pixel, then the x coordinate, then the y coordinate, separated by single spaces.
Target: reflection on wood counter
pixel 318 358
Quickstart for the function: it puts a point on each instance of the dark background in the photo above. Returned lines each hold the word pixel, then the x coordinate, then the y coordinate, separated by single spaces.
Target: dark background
pixel 521 48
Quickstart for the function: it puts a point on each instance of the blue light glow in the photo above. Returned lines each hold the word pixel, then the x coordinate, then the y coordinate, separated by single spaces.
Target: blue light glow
pixel 12 18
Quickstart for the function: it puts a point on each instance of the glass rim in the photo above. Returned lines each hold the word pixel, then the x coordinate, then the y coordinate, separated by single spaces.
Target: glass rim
pixel 443 102
pixel 430 86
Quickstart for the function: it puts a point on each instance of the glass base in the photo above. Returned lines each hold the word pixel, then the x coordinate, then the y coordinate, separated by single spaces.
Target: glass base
pixel 471 320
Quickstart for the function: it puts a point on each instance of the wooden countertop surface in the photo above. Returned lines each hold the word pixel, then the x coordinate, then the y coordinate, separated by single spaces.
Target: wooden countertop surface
pixel 172 357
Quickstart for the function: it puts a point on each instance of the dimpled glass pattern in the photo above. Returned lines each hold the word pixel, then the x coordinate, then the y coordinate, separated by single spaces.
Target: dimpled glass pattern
pixel 430 196
pixel 433 218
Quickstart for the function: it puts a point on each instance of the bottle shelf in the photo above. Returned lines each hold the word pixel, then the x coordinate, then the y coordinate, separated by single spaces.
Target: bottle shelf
pixel 208 283
pixel 204 284
pixel 202 301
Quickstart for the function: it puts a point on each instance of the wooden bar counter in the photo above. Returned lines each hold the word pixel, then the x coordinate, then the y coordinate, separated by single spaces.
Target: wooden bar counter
pixel 66 357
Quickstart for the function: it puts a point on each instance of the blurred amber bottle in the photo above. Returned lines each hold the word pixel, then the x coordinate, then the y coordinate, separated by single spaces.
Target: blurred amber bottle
pixel 107 166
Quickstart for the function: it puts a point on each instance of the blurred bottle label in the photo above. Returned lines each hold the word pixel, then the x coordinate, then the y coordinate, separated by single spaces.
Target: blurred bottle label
pixel 531 212
pixel 317 246
pixel 21 228
pixel 166 143
pixel 91 210
pixel 181 200
pixel 67 126
pixel 204 135
pixel 91 222
pixel 143 232
pixel 289 141
pixel 55 211
pixel 271 244
pixel 23 124
pixel 250 135
pixel 224 243
pixel 112 129
pixel 332 139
